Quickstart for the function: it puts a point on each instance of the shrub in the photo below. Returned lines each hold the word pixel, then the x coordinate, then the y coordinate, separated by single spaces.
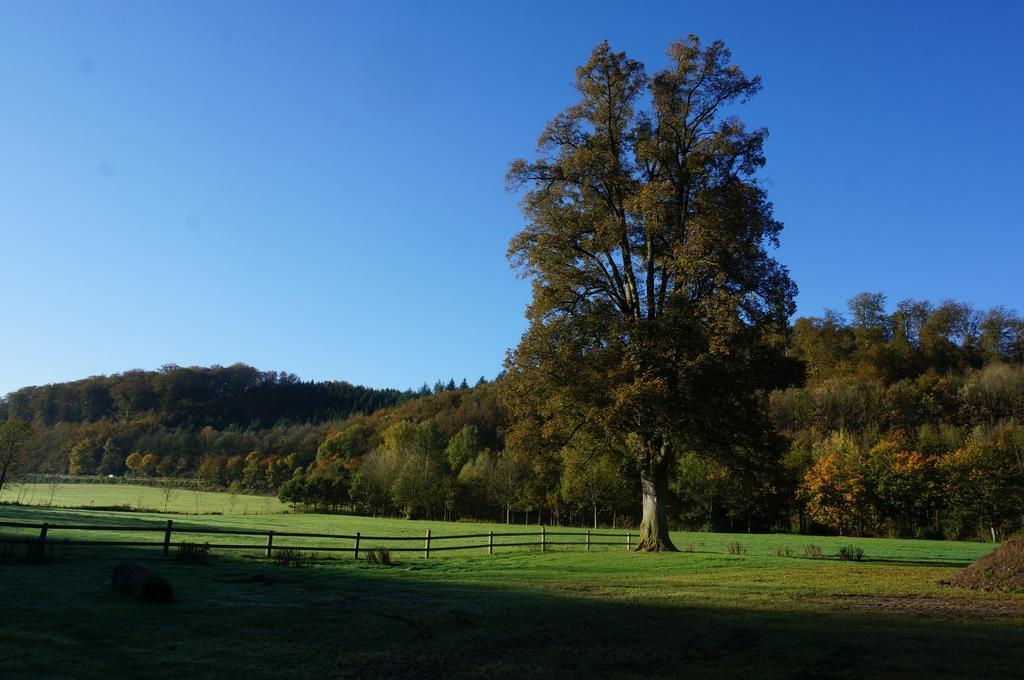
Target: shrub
pixel 192 553
pixel 783 551
pixel 688 547
pixel 812 551
pixel 736 548
pixel 291 557
pixel 851 552
pixel 381 556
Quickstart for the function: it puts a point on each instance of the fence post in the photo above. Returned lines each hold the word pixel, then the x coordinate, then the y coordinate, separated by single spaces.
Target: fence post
pixel 167 538
pixel 543 539
pixel 629 541
pixel 42 535
pixel 357 546
pixel 490 542
pixel 588 540
pixel 270 542
pixel 426 545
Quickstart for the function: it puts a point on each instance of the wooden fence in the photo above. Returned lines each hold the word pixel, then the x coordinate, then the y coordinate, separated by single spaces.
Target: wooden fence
pixel 352 543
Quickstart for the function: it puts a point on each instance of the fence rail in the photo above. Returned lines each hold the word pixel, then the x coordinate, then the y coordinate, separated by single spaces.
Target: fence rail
pixel 354 543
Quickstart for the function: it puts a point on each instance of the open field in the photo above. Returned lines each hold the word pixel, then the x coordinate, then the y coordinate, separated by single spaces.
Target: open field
pixel 139 496
pixel 248 514
pixel 566 613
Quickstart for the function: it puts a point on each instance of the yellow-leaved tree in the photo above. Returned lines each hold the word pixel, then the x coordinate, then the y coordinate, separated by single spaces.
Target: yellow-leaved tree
pixel 833 487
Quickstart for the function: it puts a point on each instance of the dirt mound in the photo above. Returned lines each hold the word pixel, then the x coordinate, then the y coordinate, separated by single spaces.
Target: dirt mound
pixel 1001 569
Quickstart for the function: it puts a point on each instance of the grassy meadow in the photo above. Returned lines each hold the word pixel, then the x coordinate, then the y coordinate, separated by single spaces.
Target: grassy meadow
pixel 137 496
pixel 563 613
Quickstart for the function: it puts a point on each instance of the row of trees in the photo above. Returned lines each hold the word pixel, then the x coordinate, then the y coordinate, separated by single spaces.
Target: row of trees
pixel 914 338
pixel 984 396
pixel 851 452
pixel 928 456
pixel 218 396
pixel 857 445
pixel 910 421
pixel 417 472
pixel 174 443
pixel 897 487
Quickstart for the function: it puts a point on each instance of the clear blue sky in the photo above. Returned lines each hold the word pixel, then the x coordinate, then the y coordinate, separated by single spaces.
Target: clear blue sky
pixel 318 187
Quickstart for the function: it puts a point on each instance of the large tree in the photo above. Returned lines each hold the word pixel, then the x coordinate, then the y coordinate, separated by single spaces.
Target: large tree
pixel 658 314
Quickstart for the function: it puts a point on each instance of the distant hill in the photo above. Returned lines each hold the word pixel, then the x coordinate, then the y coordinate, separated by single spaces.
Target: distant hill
pixel 218 396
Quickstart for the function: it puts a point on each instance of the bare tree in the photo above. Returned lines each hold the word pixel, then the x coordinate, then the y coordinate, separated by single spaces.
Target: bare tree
pixel 51 486
pixel 168 486
pixel 232 497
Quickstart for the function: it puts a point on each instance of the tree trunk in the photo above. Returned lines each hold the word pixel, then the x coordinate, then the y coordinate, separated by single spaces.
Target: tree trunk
pixel 654 488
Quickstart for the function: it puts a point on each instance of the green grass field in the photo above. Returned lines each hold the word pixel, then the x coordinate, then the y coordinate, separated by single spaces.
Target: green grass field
pixel 564 613
pixel 137 496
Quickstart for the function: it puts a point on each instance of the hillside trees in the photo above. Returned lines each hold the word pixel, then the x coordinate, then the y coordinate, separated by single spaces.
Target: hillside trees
pixel 916 338
pixel 373 482
pixel 592 480
pixel 134 462
pixel 932 409
pixel 195 396
pixel 82 458
pixel 657 311
pixel 463 447
pixel 983 486
pixel 506 481
pixel 834 485
pixel 351 442
pixel 13 434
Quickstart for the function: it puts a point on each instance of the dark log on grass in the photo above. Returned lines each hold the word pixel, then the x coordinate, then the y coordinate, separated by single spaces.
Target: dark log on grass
pixel 141 583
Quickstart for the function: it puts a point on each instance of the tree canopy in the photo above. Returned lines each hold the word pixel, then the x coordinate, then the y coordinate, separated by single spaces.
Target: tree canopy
pixel 658 315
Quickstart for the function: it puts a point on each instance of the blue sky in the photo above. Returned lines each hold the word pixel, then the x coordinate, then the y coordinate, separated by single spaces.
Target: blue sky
pixel 318 187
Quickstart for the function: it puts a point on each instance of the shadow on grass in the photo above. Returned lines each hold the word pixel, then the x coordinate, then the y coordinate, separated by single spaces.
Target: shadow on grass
pixel 475 618
pixel 38 514
pixel 955 564
pixel 902 562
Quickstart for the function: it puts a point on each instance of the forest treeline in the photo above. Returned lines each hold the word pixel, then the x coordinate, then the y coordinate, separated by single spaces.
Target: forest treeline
pixel 195 397
pixel 908 423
